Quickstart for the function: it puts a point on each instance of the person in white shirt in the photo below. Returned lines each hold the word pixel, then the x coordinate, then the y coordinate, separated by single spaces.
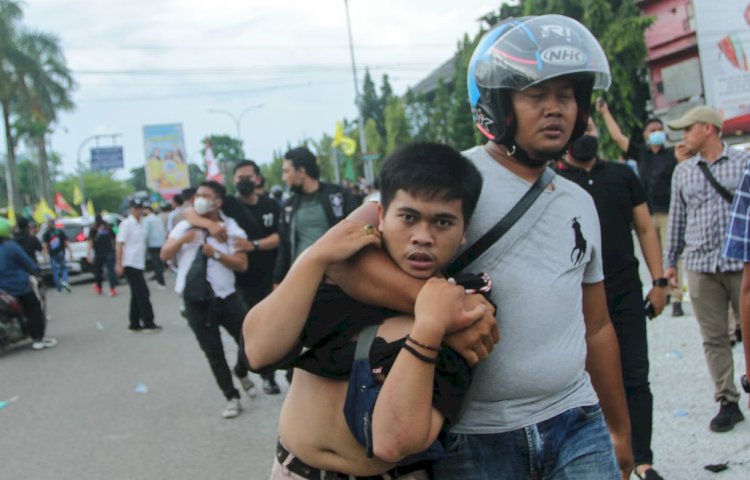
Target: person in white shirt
pixel 156 235
pixel 224 306
pixel 131 261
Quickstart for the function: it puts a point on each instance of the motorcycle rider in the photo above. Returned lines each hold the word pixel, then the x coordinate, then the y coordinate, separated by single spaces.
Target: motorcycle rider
pixel 17 269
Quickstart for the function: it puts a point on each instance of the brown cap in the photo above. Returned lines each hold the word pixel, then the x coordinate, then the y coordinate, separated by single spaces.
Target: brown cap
pixel 702 114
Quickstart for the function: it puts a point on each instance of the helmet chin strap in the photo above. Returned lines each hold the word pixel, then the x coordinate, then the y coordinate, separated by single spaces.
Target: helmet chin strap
pixel 523 156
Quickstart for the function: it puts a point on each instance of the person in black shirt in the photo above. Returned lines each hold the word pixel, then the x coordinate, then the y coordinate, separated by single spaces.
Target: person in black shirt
pixel 656 163
pixel 101 253
pixel 55 244
pixel 258 216
pixel 621 204
pixel 28 242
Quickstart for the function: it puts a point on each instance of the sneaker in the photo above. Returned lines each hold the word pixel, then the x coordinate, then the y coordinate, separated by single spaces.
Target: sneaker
pixel 232 409
pixel 677 310
pixel 729 415
pixel 66 286
pixel 270 387
pixel 248 386
pixel 112 292
pixel 159 286
pixel 46 342
pixel 649 474
pixel 152 329
pixel 135 329
pixel 98 289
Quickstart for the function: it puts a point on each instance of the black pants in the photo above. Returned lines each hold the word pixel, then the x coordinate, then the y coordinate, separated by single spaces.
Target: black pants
pixel 100 261
pixel 37 321
pixel 629 320
pixel 141 314
pixel 251 295
pixel 204 319
pixel 157 264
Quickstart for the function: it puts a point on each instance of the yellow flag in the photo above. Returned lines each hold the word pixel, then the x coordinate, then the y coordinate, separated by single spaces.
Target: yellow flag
pixel 90 208
pixel 77 197
pixel 12 216
pixel 42 212
pixel 348 145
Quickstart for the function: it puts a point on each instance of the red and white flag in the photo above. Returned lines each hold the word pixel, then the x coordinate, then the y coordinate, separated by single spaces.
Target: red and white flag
pixel 61 205
pixel 212 166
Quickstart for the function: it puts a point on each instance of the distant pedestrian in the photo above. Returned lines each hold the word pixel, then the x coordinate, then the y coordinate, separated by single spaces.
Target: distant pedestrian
pixel 26 240
pixel 155 238
pixel 55 245
pixel 101 253
pixel 131 261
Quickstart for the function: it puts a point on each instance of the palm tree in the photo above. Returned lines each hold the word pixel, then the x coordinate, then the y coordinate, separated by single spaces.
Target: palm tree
pixel 10 60
pixel 47 90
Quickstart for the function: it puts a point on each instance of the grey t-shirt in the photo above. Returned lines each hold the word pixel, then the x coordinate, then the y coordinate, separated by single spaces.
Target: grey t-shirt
pixel 310 223
pixel 537 370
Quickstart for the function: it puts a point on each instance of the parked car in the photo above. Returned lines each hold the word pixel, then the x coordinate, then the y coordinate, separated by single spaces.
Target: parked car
pixel 77 232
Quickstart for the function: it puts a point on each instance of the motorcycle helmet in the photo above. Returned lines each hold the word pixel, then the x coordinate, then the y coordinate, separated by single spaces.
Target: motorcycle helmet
pixel 522 52
pixel 5 230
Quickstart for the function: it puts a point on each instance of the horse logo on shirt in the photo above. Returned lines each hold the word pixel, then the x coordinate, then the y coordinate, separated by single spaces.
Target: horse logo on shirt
pixel 576 256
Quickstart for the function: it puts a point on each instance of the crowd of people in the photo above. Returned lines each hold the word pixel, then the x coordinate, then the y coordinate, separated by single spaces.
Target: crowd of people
pixel 481 317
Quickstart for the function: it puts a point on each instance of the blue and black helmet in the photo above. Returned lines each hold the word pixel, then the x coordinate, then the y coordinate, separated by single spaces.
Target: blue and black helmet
pixel 522 52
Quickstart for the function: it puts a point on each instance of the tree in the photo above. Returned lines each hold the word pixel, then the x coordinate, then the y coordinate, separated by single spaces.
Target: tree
pixel 48 88
pixel 138 178
pixel 370 104
pixel 104 191
pixel 396 125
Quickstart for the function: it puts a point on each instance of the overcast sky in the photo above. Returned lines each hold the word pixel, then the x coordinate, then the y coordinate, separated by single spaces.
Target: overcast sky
pixel 141 62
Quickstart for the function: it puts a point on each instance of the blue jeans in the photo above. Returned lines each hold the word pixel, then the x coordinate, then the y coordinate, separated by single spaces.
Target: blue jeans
pixel 59 269
pixel 572 445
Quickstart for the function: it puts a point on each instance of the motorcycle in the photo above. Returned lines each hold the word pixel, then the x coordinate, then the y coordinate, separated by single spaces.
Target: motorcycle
pixel 13 322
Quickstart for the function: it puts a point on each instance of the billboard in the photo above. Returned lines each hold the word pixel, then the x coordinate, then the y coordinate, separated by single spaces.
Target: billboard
pixel 106 158
pixel 166 166
pixel 724 45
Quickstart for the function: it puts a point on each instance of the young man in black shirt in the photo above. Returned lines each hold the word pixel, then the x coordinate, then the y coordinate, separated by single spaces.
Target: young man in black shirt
pixel 28 242
pixel 656 162
pixel 258 216
pixel 621 204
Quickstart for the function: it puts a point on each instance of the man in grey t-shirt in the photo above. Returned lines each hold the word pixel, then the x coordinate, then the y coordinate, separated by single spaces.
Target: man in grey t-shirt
pixel 533 407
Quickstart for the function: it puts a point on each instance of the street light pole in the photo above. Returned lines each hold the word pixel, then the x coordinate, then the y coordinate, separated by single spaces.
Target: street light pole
pixel 369 172
pixel 236 119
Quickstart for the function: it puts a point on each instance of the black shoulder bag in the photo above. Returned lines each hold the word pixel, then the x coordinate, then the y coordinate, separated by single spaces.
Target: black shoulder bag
pixel 501 227
pixel 197 288
pixel 725 194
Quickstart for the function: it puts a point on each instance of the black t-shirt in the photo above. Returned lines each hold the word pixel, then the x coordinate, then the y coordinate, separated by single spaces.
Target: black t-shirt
pixel 258 221
pixel 29 243
pixel 616 191
pixel 103 240
pixel 655 170
pixel 55 240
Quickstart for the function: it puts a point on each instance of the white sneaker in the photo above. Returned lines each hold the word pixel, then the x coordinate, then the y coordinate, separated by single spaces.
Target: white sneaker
pixel 232 409
pixel 46 342
pixel 248 386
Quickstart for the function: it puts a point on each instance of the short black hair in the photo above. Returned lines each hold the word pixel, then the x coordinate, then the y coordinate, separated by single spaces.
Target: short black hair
pixel 432 171
pixel 245 163
pixel 178 199
pixel 218 188
pixel 187 193
pixel 303 157
pixel 653 120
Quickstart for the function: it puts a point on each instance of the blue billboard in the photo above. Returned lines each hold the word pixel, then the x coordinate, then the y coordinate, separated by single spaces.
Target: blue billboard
pixel 106 158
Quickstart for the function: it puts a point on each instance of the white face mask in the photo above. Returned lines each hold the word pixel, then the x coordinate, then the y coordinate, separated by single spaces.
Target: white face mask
pixel 203 205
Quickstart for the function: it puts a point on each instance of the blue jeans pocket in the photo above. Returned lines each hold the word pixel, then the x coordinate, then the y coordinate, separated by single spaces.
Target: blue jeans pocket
pixel 590 411
pixel 453 442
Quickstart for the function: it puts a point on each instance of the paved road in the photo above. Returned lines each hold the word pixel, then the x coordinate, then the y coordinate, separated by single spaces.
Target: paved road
pixel 78 415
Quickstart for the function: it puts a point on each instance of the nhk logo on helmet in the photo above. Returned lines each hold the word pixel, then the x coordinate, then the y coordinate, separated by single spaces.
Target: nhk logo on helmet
pixel 564 55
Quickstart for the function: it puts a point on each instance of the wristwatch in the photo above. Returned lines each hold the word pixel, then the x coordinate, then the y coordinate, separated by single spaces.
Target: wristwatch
pixel 217 255
pixel 661 282
pixel 256 245
pixel 745 384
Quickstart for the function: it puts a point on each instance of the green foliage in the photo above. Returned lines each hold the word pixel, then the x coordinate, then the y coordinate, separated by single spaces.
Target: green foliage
pixel 396 125
pixel 138 178
pixel 104 191
pixel 372 136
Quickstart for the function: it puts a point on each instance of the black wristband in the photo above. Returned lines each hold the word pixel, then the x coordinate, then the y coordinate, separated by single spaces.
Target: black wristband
pixel 424 358
pixel 661 282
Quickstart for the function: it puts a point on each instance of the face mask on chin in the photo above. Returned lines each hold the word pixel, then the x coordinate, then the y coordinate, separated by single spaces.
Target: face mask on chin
pixel 296 189
pixel 203 206
pixel 584 148
pixel 245 187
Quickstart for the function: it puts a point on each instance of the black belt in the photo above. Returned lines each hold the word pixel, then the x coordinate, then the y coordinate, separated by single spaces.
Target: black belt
pixel 302 469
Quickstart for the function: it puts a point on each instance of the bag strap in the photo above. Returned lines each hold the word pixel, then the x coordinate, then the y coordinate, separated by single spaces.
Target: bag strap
pixel 364 341
pixel 726 194
pixel 501 227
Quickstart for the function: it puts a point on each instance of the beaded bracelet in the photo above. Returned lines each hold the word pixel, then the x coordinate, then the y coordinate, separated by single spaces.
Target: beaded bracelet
pixel 423 345
pixel 424 358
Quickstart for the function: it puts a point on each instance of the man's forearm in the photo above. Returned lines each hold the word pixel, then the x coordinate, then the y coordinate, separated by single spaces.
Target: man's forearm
pixel 118 254
pixel 603 366
pixel 650 247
